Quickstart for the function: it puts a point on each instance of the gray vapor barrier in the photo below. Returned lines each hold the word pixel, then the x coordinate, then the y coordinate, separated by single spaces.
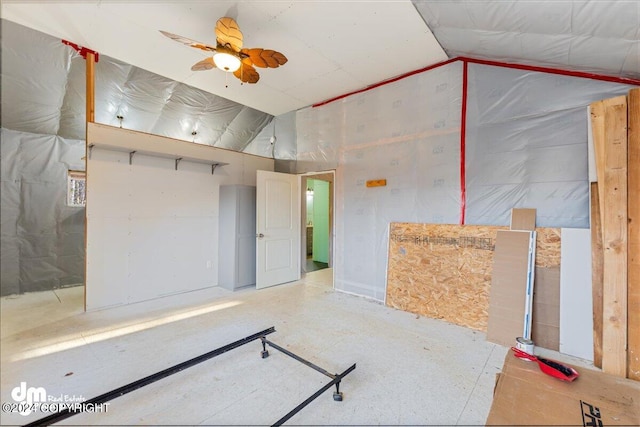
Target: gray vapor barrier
pixel 42 238
pixel 43 128
pixel 407 132
pixel 525 146
pixel 43 91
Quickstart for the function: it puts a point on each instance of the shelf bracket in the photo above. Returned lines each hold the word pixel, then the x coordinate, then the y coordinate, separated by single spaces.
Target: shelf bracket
pixel 90 150
pixel 213 168
pixel 131 153
pixel 178 161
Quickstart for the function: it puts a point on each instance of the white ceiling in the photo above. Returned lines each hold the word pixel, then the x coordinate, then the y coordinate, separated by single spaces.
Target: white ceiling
pixel 333 47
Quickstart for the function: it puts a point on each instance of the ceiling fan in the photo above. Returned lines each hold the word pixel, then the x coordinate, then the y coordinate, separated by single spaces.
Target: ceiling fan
pixel 229 55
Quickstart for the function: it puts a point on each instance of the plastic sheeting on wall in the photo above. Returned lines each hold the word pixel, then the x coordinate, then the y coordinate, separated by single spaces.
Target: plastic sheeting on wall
pixel 407 132
pixel 592 36
pixel 43 91
pixel 42 238
pixel 43 121
pixel 283 127
pixel 153 104
pixel 526 145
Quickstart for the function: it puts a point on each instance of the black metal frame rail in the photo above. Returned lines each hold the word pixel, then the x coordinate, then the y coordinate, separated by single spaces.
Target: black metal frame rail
pixel 335 378
pixel 120 391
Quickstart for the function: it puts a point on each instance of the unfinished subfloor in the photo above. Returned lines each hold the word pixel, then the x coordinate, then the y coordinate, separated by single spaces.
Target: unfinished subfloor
pixel 410 369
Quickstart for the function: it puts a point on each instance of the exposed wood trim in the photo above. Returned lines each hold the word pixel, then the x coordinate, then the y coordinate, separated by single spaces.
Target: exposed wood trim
pixel 596 274
pixel 91 87
pixel 90 62
pixel 614 239
pixel 597 127
pixel 633 171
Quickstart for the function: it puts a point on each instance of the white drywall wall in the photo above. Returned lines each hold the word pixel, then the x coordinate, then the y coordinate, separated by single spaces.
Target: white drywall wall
pixel 152 230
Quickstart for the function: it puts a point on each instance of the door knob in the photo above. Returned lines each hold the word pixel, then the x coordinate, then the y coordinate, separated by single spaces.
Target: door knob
pixel 260 236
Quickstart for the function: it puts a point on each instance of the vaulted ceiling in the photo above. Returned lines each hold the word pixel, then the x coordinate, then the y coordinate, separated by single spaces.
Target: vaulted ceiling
pixel 332 48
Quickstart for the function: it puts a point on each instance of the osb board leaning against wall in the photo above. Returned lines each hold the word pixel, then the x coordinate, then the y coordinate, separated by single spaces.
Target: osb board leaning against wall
pixel 443 271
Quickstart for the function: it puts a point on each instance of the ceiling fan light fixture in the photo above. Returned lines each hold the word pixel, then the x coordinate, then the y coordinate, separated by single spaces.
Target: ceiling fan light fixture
pixel 226 61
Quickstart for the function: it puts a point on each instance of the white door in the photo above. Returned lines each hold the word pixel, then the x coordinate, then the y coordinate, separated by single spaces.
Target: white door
pixel 277 229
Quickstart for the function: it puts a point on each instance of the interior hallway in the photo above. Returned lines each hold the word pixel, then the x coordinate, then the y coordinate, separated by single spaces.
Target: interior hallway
pixel 410 370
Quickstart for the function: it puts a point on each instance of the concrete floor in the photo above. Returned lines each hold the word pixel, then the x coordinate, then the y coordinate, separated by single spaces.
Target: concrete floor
pixel 410 369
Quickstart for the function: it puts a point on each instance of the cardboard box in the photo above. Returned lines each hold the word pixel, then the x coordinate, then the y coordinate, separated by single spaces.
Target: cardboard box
pixel 524 395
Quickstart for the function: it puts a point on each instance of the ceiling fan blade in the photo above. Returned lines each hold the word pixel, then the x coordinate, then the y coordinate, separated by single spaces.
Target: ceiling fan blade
pixel 228 32
pixel 205 64
pixel 265 58
pixel 247 73
pixel 189 42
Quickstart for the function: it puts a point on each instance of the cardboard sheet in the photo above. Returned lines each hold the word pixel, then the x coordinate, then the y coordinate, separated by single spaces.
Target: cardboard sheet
pixel 508 287
pixel 523 219
pixel 524 395
pixel 546 308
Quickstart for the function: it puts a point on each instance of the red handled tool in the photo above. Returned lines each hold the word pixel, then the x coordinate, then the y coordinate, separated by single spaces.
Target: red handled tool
pixel 549 367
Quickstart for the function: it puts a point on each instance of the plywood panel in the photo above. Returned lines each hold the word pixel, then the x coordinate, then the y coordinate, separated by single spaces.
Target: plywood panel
pixel 443 271
pixel 633 172
pixel 548 247
pixel 576 307
pixel 597 274
pixel 614 238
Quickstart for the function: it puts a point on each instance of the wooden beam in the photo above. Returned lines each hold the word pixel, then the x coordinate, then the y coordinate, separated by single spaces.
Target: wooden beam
pixel 633 171
pixel 90 62
pixel 91 87
pixel 597 131
pixel 596 274
pixel 614 239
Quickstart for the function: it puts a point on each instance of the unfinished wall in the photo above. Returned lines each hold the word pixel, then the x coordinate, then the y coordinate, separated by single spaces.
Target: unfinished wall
pixel 43 132
pixel 152 230
pixel 526 146
pixel 408 133
pixel 42 238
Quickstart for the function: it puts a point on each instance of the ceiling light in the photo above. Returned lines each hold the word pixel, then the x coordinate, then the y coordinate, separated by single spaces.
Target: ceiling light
pixel 226 61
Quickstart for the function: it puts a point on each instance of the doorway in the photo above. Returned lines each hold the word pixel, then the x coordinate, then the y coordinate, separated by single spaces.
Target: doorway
pixel 317 216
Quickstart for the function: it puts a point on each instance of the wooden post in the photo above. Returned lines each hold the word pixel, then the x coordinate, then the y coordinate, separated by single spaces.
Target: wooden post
pixel 614 239
pixel 91 96
pixel 90 61
pixel 597 252
pixel 633 171
pixel 597 127
pixel 596 274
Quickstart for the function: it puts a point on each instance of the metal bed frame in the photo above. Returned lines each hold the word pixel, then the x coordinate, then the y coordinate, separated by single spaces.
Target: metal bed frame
pixel 120 391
